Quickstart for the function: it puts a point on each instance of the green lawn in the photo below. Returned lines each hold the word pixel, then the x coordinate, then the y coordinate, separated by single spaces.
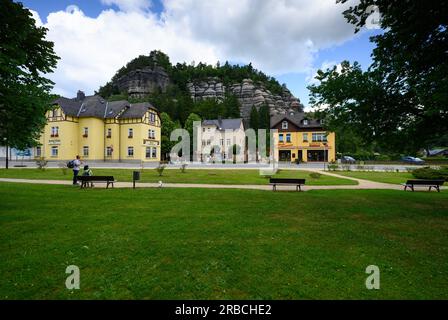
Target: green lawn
pixel 176 176
pixel 221 244
pixel 386 177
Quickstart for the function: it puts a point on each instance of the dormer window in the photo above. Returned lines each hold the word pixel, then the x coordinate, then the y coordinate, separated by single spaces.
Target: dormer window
pixel 305 122
pixel 322 121
pixel 285 125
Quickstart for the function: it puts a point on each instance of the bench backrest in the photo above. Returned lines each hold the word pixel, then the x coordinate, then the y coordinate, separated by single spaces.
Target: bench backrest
pixel 96 178
pixel 287 180
pixel 426 182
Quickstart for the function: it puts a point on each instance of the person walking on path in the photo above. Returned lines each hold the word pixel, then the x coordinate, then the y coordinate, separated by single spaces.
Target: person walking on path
pixel 76 166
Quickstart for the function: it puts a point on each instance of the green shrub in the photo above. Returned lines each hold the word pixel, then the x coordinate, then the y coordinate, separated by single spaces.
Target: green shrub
pixel 333 167
pixel 431 174
pixel 315 175
pixel 63 167
pixel 41 163
pixel 160 169
pixel 382 157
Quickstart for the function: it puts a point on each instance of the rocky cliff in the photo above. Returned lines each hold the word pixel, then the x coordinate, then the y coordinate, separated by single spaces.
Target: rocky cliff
pixel 142 82
pixel 248 93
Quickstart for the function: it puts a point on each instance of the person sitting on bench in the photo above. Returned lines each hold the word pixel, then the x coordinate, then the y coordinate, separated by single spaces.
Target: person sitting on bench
pixel 88 172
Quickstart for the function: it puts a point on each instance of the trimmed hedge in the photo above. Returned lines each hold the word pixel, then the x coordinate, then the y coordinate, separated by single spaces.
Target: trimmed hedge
pixel 431 174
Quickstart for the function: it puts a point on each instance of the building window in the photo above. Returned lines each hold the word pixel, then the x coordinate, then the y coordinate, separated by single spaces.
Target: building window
pixel 85 151
pixel 208 142
pixel 130 133
pixel 54 151
pixel 109 151
pixel 203 129
pixel 228 142
pixel 285 125
pixel 86 132
pixel 221 141
pixel 54 132
pixel 208 129
pixel 288 137
pixel 280 138
pixel 152 117
pixel 151 134
pixel 38 151
pixel 305 122
pixel 109 133
pixel 305 137
pixel 203 143
pixel 148 152
pixel 319 137
pixel 154 152
pixel 130 151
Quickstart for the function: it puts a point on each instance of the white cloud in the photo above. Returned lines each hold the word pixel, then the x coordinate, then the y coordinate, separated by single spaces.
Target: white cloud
pixel 276 36
pixel 312 73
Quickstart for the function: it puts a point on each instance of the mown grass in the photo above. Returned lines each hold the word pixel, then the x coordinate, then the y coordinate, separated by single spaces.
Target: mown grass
pixel 176 176
pixel 221 244
pixel 385 177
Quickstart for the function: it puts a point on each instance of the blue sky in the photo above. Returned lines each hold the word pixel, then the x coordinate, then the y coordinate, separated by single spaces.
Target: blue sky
pixel 302 47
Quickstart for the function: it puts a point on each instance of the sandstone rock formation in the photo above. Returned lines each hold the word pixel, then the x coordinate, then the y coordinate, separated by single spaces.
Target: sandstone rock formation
pixel 141 82
pixel 249 94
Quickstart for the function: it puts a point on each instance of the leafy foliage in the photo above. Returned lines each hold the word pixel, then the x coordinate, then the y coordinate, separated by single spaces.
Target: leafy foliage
pixel 431 174
pixel 25 58
pixel 403 96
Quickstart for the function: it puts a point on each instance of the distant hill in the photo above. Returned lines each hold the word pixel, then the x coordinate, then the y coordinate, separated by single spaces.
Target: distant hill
pixel 207 90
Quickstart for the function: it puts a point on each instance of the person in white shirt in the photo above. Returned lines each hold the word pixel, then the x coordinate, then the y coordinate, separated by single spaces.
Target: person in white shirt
pixel 76 166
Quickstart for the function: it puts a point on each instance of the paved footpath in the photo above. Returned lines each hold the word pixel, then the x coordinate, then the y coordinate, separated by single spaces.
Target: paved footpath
pixel 362 184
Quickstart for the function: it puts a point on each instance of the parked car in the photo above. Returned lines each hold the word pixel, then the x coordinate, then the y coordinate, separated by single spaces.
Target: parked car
pixel 348 159
pixel 412 160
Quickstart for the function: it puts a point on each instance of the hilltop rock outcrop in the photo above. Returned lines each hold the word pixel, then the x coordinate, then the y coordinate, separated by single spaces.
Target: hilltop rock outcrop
pixel 248 93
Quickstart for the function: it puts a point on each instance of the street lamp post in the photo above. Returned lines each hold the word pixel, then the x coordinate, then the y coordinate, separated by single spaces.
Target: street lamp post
pixel 7 153
pixel 325 155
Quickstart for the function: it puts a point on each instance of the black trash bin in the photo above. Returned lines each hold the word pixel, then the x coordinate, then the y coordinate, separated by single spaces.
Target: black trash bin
pixel 135 177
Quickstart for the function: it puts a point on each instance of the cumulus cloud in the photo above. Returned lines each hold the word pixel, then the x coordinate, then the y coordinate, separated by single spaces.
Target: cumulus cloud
pixel 277 36
pixel 311 77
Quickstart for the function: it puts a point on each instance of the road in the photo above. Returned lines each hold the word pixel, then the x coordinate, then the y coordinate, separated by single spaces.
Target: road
pixel 127 165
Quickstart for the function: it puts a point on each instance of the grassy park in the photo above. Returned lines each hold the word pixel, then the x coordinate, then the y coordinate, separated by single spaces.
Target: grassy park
pixel 221 244
pixel 379 176
pixel 176 176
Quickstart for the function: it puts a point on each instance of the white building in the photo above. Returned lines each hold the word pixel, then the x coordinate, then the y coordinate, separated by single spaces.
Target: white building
pixel 217 139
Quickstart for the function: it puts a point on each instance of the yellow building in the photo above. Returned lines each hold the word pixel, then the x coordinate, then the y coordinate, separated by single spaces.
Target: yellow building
pixel 302 138
pixel 99 130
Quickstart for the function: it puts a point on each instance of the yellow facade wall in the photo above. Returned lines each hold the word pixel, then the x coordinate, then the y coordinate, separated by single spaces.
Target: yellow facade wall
pixel 70 140
pixel 113 141
pixel 66 140
pixel 298 144
pixel 94 140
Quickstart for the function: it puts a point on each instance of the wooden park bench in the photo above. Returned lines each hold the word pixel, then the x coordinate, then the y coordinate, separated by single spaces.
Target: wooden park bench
pixel 286 182
pixel 423 183
pixel 88 180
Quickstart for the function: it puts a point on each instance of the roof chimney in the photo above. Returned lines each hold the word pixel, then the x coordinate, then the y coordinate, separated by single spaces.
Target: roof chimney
pixel 80 96
pixel 219 122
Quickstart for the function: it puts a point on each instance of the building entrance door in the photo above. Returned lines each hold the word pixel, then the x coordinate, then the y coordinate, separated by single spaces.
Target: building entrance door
pixel 317 155
pixel 285 155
